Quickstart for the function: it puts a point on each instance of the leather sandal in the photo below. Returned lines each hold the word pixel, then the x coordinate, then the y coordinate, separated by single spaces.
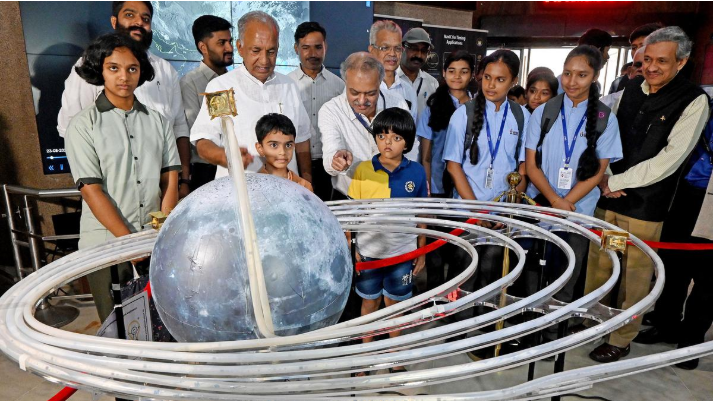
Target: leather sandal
pixel 606 353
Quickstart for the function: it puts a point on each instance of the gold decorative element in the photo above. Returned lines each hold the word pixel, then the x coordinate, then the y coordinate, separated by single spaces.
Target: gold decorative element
pixel 157 219
pixel 614 240
pixel 512 195
pixel 663 118
pixel 221 103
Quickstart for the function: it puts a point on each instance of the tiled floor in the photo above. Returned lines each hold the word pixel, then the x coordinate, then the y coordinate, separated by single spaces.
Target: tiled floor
pixel 666 384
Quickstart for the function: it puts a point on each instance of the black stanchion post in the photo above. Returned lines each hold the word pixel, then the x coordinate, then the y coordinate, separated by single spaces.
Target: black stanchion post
pixel 540 285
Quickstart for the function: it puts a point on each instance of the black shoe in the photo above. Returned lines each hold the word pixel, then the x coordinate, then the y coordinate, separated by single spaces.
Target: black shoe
pixel 653 335
pixel 688 365
pixel 649 319
pixel 606 353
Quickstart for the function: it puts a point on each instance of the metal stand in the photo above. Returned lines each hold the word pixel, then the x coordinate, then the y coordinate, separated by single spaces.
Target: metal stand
pixel 55 316
pixel 51 315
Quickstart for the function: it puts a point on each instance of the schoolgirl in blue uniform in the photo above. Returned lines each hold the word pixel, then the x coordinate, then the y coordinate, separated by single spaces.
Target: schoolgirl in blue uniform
pixel 432 128
pixel 440 106
pixel 478 168
pixel 480 163
pixel 566 163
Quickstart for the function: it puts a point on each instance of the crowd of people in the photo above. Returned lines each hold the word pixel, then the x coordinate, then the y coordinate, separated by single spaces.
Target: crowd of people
pixel 639 158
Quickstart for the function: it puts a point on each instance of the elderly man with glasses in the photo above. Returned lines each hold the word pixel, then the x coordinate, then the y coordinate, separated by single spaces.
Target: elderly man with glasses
pixel 385 44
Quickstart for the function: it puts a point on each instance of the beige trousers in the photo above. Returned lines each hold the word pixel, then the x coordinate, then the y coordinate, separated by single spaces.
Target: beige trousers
pixel 637 271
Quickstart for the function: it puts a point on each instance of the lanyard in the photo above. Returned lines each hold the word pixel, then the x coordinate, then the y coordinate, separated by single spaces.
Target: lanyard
pixel 494 152
pixel 419 87
pixel 568 150
pixel 361 120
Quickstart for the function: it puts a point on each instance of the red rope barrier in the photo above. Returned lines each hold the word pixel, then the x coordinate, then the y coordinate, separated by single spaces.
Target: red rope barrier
pixel 376 264
pixel 63 394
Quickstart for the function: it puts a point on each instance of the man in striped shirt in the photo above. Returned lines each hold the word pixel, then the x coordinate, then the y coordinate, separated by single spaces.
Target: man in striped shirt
pixel 317 85
pixel 660 121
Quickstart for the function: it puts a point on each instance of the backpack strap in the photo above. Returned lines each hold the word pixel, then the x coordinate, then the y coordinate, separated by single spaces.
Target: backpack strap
pixel 550 114
pixel 603 112
pixel 469 111
pixel 520 118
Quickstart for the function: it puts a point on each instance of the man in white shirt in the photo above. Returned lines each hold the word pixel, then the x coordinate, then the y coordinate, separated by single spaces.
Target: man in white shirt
pixel 259 90
pixel 345 121
pixel 416 45
pixel 215 42
pixel 162 94
pixel 385 45
pixel 317 85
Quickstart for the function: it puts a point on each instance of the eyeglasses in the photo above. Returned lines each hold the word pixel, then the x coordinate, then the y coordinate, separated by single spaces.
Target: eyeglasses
pixel 417 48
pixel 637 65
pixel 387 49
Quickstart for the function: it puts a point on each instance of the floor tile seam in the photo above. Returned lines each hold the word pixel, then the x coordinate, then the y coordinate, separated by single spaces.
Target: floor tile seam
pixel 683 382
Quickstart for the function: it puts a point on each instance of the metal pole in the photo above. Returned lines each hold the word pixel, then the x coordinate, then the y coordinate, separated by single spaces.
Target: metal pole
pixel 559 359
pixel 540 285
pixel 13 237
pixel 34 247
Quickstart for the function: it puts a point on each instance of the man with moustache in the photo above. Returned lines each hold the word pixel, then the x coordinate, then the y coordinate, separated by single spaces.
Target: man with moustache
pixel 162 94
pixel 259 90
pixel 345 121
pixel 215 42
pixel 660 120
pixel 385 45
pixel 317 85
pixel 417 44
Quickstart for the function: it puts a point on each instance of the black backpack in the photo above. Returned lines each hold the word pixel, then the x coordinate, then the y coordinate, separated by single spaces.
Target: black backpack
pixel 516 109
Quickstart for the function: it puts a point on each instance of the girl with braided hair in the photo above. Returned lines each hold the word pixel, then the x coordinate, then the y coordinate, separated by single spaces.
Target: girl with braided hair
pixel 480 154
pixel 481 149
pixel 566 176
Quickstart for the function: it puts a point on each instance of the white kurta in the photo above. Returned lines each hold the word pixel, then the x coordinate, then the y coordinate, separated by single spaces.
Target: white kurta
pixel 253 99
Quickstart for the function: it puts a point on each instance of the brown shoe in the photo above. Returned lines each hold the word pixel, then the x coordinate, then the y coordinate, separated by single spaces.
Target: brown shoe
pixel 606 353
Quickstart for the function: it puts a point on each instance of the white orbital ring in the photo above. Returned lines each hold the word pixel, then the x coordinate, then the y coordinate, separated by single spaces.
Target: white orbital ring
pixel 257 369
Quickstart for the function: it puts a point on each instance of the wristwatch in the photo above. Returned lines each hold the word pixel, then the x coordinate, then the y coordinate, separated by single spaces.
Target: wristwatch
pixel 184 181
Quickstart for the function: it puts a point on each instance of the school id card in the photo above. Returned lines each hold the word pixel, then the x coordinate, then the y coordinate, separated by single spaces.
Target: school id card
pixel 564 178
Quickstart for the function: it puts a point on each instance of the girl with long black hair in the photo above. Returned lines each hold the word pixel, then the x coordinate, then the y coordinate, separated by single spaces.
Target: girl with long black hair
pixel 481 154
pixel 541 87
pixel 481 150
pixel 440 106
pixel 566 176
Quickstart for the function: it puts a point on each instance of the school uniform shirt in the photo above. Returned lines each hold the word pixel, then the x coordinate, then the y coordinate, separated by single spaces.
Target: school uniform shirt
pixel 425 85
pixel 373 181
pixel 253 99
pixel 505 160
pixel 126 152
pixel 162 94
pixel 315 93
pixel 553 153
pixel 438 141
pixel 341 130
